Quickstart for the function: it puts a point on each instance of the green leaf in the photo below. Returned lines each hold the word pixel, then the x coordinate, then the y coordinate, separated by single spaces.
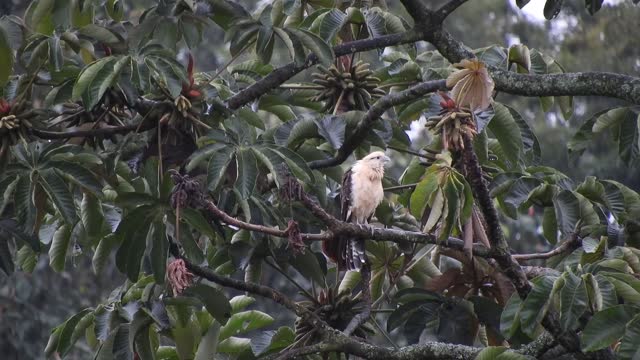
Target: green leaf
pixel 332 21
pixel 91 215
pixel 245 321
pixel 451 204
pixel 195 219
pixel 103 250
pixel 6 57
pixel 629 138
pixel 311 41
pixel 66 338
pixel 115 9
pixel 214 301
pixel 99 33
pixel 240 302
pixel 95 79
pixel 505 128
pixel 59 193
pixel 422 193
pixel 510 318
pixel 159 251
pixel 247 166
pixel 133 230
pixel 535 305
pixel 552 8
pixel 234 345
pixel 209 343
pixel 59 247
pixel 609 119
pixel 332 128
pixel 629 348
pixel 606 327
pixel 573 301
pixel 26 258
pixel 217 167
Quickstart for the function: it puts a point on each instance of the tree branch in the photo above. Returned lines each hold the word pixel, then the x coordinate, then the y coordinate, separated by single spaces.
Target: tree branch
pixel 568 246
pixel 286 72
pixel 374 113
pixel 579 84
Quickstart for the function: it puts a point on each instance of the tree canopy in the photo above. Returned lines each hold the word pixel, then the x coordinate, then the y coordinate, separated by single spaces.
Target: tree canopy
pixel 189 153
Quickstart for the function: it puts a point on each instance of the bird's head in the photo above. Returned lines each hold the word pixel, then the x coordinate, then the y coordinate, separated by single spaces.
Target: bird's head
pixel 376 159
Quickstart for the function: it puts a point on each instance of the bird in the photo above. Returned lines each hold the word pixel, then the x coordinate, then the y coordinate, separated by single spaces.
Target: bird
pixel 360 195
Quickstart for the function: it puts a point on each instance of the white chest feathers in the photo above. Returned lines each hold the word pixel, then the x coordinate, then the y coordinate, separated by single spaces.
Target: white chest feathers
pixel 366 191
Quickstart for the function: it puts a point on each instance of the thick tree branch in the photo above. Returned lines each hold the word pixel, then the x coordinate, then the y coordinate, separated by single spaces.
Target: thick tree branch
pixel 112 130
pixel 286 72
pixel 374 113
pixel 577 84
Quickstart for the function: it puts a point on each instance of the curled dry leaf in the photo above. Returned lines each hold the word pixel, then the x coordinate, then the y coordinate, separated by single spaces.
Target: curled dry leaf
pixel 471 85
pixel 179 277
pixel 295 240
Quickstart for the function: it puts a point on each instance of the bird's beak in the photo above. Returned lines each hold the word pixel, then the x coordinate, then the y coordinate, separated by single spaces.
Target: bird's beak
pixel 387 159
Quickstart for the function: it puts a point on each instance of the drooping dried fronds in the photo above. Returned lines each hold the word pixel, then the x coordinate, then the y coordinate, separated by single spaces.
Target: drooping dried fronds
pixel 471 85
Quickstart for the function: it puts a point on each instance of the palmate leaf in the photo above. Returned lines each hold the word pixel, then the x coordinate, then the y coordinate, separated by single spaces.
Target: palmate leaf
pixel 97 78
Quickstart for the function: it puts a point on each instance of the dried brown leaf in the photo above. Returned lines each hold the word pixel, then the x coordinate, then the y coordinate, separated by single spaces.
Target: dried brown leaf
pixel 472 85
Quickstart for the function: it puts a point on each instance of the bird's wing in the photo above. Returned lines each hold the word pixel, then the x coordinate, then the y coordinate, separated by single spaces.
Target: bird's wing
pixel 346 197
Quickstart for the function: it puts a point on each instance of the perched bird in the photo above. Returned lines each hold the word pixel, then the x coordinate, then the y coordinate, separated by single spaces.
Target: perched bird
pixel 360 195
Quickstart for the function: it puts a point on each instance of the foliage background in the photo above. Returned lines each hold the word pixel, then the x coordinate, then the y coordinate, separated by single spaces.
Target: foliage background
pixel 32 304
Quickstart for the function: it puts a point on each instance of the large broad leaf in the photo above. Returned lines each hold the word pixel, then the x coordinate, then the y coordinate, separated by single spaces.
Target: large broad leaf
pixel 535 305
pixel 331 22
pixel 217 167
pixel 245 321
pixel 552 8
pixel 97 78
pixel 159 251
pixel 75 325
pixel 311 41
pixel 422 193
pixel 59 247
pixel 629 348
pixel 133 232
pixel 606 327
pixel 332 128
pixel 6 57
pixel 629 138
pixel 247 172
pixel 573 301
pixel 571 208
pixel 510 318
pixel 214 301
pixel 209 343
pixel 59 193
pixel 505 128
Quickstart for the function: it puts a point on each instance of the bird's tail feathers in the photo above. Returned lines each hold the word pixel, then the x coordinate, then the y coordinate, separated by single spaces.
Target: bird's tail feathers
pixel 355 254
